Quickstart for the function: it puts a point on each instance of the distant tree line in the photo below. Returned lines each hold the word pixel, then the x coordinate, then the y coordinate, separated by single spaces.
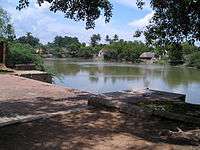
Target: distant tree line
pixel 25 49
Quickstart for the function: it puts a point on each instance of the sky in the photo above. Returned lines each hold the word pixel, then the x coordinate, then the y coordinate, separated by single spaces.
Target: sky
pixel 45 25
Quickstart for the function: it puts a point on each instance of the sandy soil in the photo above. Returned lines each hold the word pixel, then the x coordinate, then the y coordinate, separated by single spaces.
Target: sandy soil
pixel 93 129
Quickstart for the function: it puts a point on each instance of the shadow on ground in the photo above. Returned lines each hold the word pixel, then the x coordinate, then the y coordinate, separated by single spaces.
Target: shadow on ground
pixel 92 129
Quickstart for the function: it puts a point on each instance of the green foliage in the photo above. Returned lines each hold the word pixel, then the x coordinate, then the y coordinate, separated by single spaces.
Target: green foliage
pixel 6 28
pixel 65 41
pixel 108 40
pixel 119 50
pixel 29 39
pixel 193 60
pixel 174 21
pixel 137 33
pixel 86 52
pixel 123 50
pixel 189 48
pixel 115 38
pixel 22 54
pixel 175 52
pixel 64 46
pixel 95 39
pixel 74 49
pixel 81 10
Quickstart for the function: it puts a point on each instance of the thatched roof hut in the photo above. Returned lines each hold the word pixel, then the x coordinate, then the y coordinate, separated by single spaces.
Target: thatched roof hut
pixel 103 53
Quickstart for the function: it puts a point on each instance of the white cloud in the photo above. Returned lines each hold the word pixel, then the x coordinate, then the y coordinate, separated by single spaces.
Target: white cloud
pixel 46 25
pixel 141 23
pixel 132 3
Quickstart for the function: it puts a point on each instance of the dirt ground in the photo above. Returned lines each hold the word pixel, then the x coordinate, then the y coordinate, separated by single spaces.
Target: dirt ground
pixel 93 129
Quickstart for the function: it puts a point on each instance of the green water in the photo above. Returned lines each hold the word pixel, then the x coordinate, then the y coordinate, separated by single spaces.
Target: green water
pixel 100 77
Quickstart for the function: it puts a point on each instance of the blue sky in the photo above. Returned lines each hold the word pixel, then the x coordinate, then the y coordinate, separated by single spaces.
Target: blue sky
pixel 45 25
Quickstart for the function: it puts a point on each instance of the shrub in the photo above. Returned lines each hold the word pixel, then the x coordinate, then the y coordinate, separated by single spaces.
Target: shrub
pixel 175 54
pixel 193 60
pixel 23 54
pixel 129 51
pixel 86 52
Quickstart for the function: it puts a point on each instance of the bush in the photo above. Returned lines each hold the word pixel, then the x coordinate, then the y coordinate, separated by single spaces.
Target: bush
pixel 86 52
pixel 129 51
pixel 175 54
pixel 193 60
pixel 23 54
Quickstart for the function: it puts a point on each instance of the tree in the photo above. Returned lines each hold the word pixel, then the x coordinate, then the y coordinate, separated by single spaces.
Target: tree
pixel 74 49
pixel 29 39
pixel 84 10
pixel 137 33
pixel 6 28
pixel 95 39
pixel 65 41
pixel 107 39
pixel 174 21
pixel 115 38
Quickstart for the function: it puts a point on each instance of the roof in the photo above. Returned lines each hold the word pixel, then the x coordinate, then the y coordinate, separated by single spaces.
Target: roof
pixel 147 55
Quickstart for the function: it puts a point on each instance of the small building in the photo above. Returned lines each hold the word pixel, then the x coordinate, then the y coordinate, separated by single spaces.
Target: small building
pixel 104 52
pixel 148 57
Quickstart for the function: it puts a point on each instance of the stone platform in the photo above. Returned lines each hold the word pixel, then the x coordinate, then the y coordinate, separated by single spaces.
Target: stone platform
pixel 34 74
pixel 149 102
pixel 23 98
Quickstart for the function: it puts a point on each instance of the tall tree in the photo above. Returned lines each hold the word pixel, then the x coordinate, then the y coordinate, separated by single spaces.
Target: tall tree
pixel 6 28
pixel 65 41
pixel 115 38
pixel 107 39
pixel 95 39
pixel 85 10
pixel 174 21
pixel 29 39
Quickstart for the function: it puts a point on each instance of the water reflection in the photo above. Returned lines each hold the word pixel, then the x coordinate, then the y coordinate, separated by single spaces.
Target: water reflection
pixel 98 77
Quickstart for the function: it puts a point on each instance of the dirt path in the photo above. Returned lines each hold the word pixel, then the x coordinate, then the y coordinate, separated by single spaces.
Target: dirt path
pixel 91 129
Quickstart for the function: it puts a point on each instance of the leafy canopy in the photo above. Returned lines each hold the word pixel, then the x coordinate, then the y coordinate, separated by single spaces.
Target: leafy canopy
pixel 95 39
pixel 6 28
pixel 174 21
pixel 78 10
pixel 29 39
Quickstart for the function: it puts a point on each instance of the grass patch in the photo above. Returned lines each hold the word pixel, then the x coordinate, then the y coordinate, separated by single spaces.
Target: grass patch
pixel 178 108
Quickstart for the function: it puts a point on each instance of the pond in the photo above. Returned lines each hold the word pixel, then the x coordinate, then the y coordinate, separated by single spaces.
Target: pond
pixel 100 77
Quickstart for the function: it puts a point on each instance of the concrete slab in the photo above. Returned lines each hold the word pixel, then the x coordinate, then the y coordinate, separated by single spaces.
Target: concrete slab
pixel 34 74
pixel 16 88
pixel 148 103
pixel 21 98
pixel 145 95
